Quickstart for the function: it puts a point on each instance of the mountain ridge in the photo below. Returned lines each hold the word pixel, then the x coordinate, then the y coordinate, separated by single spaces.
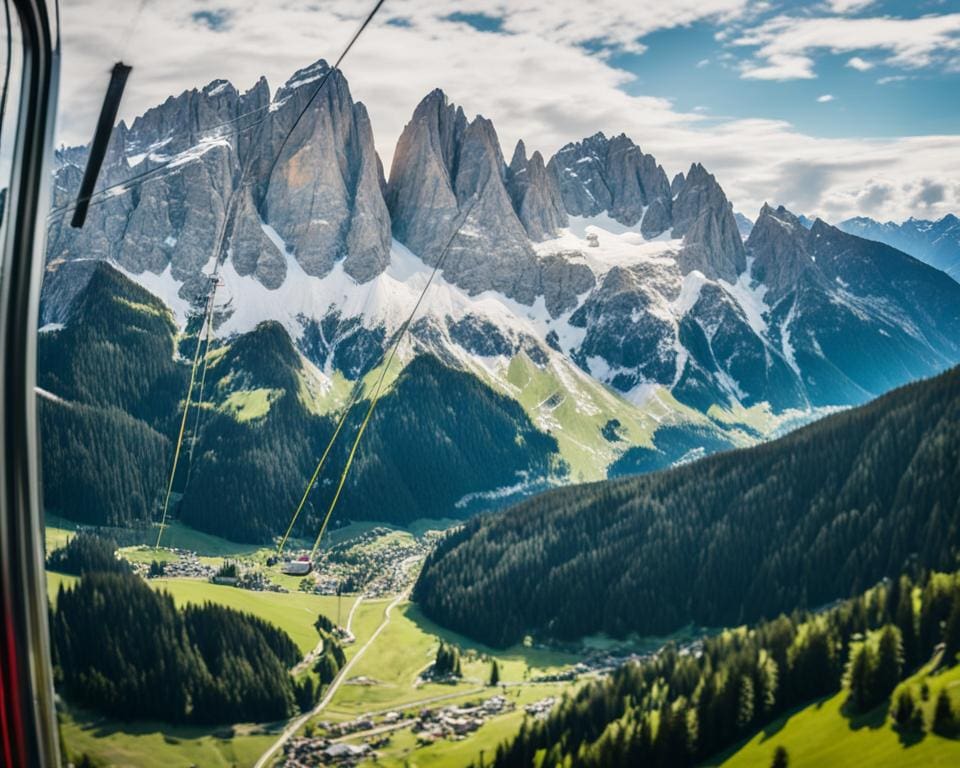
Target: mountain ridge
pixel 584 287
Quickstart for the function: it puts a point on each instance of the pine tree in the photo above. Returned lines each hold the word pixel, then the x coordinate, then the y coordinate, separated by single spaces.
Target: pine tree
pixel 889 663
pixel 904 709
pixel 944 719
pixel 780 757
pixel 494 673
pixel 861 678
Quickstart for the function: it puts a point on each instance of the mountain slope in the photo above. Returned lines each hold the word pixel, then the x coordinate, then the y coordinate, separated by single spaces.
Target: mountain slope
pixel 745 534
pixel 442 443
pixel 592 254
pixel 625 315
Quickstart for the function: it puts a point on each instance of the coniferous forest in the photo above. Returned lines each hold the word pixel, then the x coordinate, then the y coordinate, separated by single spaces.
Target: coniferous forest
pixel 108 435
pixel 817 515
pixel 125 650
pixel 678 708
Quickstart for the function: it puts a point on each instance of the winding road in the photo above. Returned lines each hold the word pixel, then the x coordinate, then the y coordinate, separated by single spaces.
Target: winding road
pixel 296 725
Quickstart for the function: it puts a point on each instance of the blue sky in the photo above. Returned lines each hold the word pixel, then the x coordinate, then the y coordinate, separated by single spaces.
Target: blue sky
pixel 833 108
pixel 697 72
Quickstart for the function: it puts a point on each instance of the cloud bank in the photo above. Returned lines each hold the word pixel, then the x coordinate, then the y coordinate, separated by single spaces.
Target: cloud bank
pixel 541 71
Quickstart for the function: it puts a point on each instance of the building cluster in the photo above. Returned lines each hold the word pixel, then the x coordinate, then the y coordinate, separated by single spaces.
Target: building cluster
pixel 186 566
pixel 308 752
pixel 376 563
pixel 456 721
pixel 540 709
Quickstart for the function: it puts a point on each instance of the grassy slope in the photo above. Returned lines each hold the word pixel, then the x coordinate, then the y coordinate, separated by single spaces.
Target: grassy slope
pixel 408 646
pixel 158 745
pixel 293 612
pixel 822 736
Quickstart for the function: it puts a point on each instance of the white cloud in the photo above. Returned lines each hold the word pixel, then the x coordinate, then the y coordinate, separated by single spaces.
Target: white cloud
pixel 703 63
pixel 892 79
pixel 825 98
pixel 541 85
pixel 779 66
pixel 849 6
pixel 861 65
pixel 786 44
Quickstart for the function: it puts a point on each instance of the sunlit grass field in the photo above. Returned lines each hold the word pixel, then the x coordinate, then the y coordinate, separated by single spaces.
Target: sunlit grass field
pixel 822 735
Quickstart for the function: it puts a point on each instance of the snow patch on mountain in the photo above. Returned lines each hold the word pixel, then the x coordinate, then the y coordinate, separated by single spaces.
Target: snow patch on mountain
pixel 749 294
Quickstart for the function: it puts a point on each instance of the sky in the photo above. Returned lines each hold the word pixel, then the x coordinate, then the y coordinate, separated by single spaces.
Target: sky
pixel 834 108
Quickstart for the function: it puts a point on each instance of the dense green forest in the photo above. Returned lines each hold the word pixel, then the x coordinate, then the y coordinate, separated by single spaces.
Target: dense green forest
pixel 123 649
pixel 439 434
pixel 100 465
pixel 86 553
pixel 116 351
pixel 681 706
pixel 817 515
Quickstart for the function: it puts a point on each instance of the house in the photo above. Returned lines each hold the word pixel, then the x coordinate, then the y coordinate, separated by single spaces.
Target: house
pixel 344 751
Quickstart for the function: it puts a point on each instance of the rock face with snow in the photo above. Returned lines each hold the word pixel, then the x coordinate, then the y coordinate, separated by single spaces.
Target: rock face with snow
pixel 592 259
pixel 703 218
pixel 535 195
pixel 935 242
pixel 778 241
pixel 599 175
pixel 219 178
pixel 446 193
pixel 323 192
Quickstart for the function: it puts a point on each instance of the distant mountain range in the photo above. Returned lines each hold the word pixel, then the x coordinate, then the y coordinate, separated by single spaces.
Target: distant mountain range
pixel 622 312
pixel 935 242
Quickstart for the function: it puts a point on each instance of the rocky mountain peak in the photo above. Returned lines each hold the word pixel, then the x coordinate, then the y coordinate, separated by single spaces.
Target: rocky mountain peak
pixel 703 217
pixel 448 180
pixel 535 195
pixel 779 246
pixel 677 184
pixel 599 175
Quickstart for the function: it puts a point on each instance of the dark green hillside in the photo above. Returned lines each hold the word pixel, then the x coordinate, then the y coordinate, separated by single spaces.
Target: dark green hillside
pixel 115 351
pixel 437 436
pixel 676 709
pixel 123 649
pixel 814 516
pixel 105 445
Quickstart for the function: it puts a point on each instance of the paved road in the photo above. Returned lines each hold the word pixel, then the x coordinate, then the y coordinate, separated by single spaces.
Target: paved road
pixel 297 724
pixel 312 656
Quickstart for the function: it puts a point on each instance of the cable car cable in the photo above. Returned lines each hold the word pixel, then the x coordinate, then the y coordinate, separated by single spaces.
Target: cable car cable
pixel 383 374
pixel 229 213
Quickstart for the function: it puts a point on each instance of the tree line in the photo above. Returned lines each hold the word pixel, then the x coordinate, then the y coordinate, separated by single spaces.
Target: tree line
pixel 124 649
pixel 684 705
pixel 107 448
pixel 817 515
pixel 87 553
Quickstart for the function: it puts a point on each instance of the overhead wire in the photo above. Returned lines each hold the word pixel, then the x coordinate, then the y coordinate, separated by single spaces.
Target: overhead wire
pixel 378 390
pixel 103 193
pixel 203 381
pixel 183 423
pixel 218 245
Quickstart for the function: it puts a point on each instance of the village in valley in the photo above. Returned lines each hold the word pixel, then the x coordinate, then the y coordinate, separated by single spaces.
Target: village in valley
pixel 394 705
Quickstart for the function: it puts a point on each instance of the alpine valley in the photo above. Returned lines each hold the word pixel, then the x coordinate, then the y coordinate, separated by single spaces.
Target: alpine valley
pixel 593 315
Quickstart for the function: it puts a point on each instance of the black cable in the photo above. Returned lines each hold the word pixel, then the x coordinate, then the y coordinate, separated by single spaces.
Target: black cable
pixel 323 81
pixel 100 195
pixel 101 138
pixel 218 247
